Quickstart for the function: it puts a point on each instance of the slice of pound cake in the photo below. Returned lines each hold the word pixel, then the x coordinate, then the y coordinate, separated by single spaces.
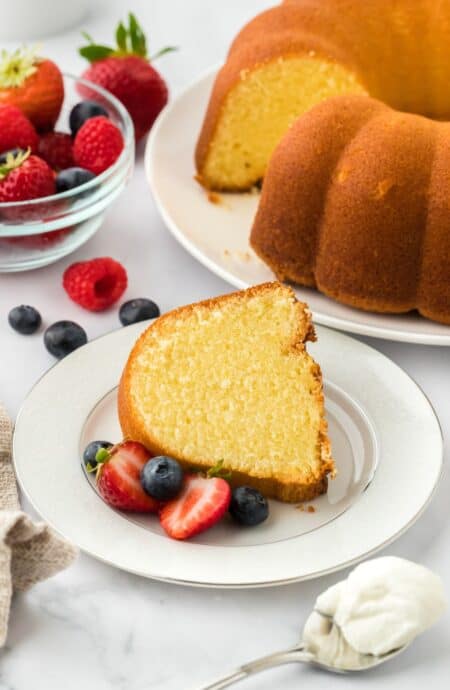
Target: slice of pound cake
pixel 229 379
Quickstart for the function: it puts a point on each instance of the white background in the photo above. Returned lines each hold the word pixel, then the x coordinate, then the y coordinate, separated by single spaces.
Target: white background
pixel 99 629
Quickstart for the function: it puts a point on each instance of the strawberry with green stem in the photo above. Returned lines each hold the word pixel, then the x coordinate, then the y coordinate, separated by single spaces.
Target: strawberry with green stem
pixel 33 84
pixel 117 471
pixel 126 71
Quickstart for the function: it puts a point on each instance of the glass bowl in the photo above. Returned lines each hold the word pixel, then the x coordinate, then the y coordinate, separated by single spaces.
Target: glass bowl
pixel 38 232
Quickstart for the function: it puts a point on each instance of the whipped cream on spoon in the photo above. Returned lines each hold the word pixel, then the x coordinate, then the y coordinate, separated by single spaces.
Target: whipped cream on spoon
pixel 362 621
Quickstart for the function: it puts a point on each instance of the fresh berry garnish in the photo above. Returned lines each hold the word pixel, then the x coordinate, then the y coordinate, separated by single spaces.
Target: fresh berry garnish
pixel 248 506
pixel 162 478
pixel 84 111
pixel 25 177
pixel 118 477
pixel 201 503
pixel 126 72
pixel 71 178
pixel 12 152
pixel 98 144
pixel 90 453
pixel 95 284
pixel 16 131
pixel 138 310
pixel 33 84
pixel 56 149
pixel 24 319
pixel 63 337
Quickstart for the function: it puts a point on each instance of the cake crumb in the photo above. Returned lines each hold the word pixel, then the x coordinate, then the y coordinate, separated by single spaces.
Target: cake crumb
pixel 305 509
pixel 214 198
pixel 226 252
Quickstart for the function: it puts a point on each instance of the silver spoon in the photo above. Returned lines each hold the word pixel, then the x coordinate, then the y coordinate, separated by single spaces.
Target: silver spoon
pixel 296 654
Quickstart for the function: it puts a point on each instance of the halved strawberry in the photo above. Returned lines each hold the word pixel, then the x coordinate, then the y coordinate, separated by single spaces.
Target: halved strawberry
pixel 201 504
pixel 118 477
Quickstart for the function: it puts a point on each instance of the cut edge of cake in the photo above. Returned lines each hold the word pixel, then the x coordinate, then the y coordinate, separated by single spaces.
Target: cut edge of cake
pixel 274 487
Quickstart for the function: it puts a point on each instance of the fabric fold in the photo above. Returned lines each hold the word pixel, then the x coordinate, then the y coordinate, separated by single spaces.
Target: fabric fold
pixel 29 552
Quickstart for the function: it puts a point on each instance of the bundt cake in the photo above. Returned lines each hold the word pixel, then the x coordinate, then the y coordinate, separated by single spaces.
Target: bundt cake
pixel 230 379
pixel 356 202
pixel 294 56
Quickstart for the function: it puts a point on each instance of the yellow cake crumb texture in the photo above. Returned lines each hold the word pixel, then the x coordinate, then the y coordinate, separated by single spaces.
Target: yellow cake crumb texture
pixel 230 379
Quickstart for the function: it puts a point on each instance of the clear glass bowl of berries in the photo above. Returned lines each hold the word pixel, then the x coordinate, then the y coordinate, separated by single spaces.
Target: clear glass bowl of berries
pixel 60 173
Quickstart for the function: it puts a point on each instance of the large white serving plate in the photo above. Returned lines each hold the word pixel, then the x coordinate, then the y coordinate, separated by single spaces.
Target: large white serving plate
pixel 217 233
pixel 386 442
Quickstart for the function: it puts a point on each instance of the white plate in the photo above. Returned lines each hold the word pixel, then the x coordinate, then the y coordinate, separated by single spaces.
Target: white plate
pixel 387 447
pixel 217 234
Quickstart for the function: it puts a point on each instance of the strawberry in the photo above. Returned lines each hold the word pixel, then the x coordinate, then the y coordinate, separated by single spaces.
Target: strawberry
pixel 33 84
pixel 201 504
pixel 56 149
pixel 24 177
pixel 97 145
pixel 16 131
pixel 96 284
pixel 118 472
pixel 126 72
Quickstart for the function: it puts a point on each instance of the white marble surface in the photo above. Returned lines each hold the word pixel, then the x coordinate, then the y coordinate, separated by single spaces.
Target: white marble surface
pixel 99 629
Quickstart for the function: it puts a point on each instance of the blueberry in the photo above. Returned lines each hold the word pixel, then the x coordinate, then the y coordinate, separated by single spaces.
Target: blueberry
pixel 64 337
pixel 24 319
pixel 138 310
pixel 91 451
pixel 71 178
pixel 248 506
pixel 162 478
pixel 84 111
pixel 12 152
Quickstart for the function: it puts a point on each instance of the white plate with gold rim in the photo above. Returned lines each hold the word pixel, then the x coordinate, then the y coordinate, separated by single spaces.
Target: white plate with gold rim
pixel 386 442
pixel 216 234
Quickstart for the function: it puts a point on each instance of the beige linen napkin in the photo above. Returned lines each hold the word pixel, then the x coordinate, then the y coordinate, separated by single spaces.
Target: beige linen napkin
pixel 29 552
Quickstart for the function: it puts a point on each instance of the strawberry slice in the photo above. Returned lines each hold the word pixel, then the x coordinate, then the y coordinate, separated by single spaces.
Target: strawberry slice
pixel 118 477
pixel 201 504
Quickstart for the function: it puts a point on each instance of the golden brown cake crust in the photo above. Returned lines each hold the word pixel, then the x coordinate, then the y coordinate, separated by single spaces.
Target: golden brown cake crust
pixel 397 49
pixel 268 36
pixel 284 490
pixel 355 203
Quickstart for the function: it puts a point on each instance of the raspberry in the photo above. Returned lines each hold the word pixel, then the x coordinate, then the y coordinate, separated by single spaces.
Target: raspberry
pixel 56 149
pixel 97 145
pixel 16 131
pixel 95 284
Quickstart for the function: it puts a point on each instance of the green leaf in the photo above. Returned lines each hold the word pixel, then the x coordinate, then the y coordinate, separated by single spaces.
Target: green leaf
pixel 121 38
pixel 163 51
pixel 95 52
pixel 137 36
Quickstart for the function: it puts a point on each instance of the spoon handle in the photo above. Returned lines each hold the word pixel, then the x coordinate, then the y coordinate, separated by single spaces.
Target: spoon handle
pixel 288 656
